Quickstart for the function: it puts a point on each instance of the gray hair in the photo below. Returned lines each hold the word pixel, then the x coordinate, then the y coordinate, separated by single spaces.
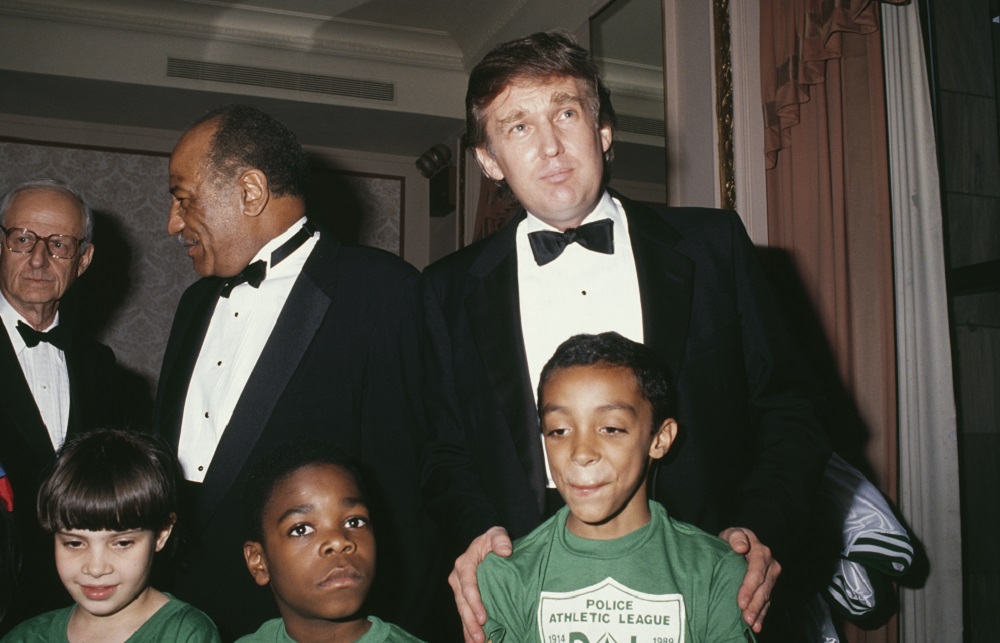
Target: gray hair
pixel 52 185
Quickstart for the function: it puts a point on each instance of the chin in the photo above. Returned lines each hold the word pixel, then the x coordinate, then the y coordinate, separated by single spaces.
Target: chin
pixel 203 271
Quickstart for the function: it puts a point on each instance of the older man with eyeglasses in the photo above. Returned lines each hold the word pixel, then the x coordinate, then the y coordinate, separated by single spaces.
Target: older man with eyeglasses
pixel 53 381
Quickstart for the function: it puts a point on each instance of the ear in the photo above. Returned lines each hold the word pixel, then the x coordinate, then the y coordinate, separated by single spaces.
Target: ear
pixel 254 192
pixel 253 554
pixel 85 258
pixel 489 164
pixel 164 534
pixel 607 135
pixel 663 438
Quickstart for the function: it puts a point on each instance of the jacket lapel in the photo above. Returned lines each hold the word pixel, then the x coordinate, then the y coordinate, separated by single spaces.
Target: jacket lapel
pixel 493 307
pixel 297 324
pixel 666 280
pixel 181 355
pixel 19 404
pixel 79 388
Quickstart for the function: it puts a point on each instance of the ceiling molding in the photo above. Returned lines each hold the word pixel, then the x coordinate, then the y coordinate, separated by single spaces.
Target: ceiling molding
pixel 485 37
pixel 340 37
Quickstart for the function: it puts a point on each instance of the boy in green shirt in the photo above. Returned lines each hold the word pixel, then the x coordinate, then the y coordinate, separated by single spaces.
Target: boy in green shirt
pixel 311 540
pixel 611 565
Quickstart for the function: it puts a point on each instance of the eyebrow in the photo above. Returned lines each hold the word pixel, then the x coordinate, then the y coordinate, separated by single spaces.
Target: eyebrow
pixel 565 97
pixel 347 503
pixel 614 406
pixel 511 118
pixel 76 533
pixel 561 98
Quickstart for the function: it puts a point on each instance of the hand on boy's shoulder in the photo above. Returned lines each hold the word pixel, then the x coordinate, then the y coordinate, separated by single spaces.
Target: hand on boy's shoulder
pixel 763 570
pixel 464 585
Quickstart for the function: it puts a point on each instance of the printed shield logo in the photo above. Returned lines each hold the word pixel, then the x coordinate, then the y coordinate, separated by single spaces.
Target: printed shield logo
pixel 609 612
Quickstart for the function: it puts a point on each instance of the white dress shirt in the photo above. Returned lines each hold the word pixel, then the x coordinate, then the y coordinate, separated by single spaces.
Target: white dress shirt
pixel 44 367
pixel 581 291
pixel 240 327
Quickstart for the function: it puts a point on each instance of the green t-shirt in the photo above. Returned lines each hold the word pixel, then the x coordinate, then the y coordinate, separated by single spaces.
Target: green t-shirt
pixel 175 621
pixel 666 582
pixel 273 631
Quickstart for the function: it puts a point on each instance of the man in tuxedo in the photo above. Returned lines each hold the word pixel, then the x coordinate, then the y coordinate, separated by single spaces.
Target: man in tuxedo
pixel 55 380
pixel 289 334
pixel 582 259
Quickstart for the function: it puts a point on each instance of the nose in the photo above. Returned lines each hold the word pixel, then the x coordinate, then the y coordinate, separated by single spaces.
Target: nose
pixel 39 254
pixel 174 221
pixel 549 141
pixel 97 563
pixel 583 451
pixel 339 541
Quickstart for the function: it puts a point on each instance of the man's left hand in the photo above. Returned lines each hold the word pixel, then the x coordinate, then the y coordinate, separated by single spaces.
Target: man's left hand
pixel 763 570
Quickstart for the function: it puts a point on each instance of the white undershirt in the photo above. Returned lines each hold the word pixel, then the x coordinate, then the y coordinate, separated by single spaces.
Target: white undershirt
pixel 582 291
pixel 44 368
pixel 240 327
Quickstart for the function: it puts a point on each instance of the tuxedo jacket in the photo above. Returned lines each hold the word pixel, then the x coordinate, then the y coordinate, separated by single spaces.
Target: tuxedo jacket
pixel 750 449
pixel 27 454
pixel 341 365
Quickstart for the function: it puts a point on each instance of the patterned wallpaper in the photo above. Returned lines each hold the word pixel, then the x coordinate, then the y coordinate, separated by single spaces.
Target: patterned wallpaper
pixel 129 294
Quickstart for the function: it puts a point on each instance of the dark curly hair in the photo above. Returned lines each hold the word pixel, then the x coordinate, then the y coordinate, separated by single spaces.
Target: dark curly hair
pixel 247 137
pixel 282 462
pixel 611 349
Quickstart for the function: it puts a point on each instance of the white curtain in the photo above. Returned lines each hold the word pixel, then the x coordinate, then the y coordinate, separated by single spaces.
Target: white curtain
pixel 928 449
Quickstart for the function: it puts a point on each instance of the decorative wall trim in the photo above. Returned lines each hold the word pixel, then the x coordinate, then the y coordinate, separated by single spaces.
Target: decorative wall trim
pixel 32 129
pixel 724 103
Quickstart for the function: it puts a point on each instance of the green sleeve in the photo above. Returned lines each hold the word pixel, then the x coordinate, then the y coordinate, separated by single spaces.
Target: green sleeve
pixel 725 618
pixel 188 625
pixel 505 600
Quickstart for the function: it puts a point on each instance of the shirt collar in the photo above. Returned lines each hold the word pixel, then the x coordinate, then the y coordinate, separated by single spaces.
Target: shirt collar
pixel 605 209
pixel 9 316
pixel 275 243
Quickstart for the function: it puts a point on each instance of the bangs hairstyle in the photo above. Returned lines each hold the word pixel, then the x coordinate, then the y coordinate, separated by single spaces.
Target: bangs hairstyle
pixel 110 479
pixel 278 466
pixel 612 350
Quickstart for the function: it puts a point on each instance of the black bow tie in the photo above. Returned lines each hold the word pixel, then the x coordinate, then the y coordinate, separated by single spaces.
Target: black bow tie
pixel 547 245
pixel 254 273
pixel 60 336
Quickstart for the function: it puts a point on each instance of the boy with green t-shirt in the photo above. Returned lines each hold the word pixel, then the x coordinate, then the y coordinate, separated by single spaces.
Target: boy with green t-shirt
pixel 312 541
pixel 611 565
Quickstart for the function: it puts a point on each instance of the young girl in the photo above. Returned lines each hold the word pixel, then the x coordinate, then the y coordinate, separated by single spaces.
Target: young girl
pixel 110 503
